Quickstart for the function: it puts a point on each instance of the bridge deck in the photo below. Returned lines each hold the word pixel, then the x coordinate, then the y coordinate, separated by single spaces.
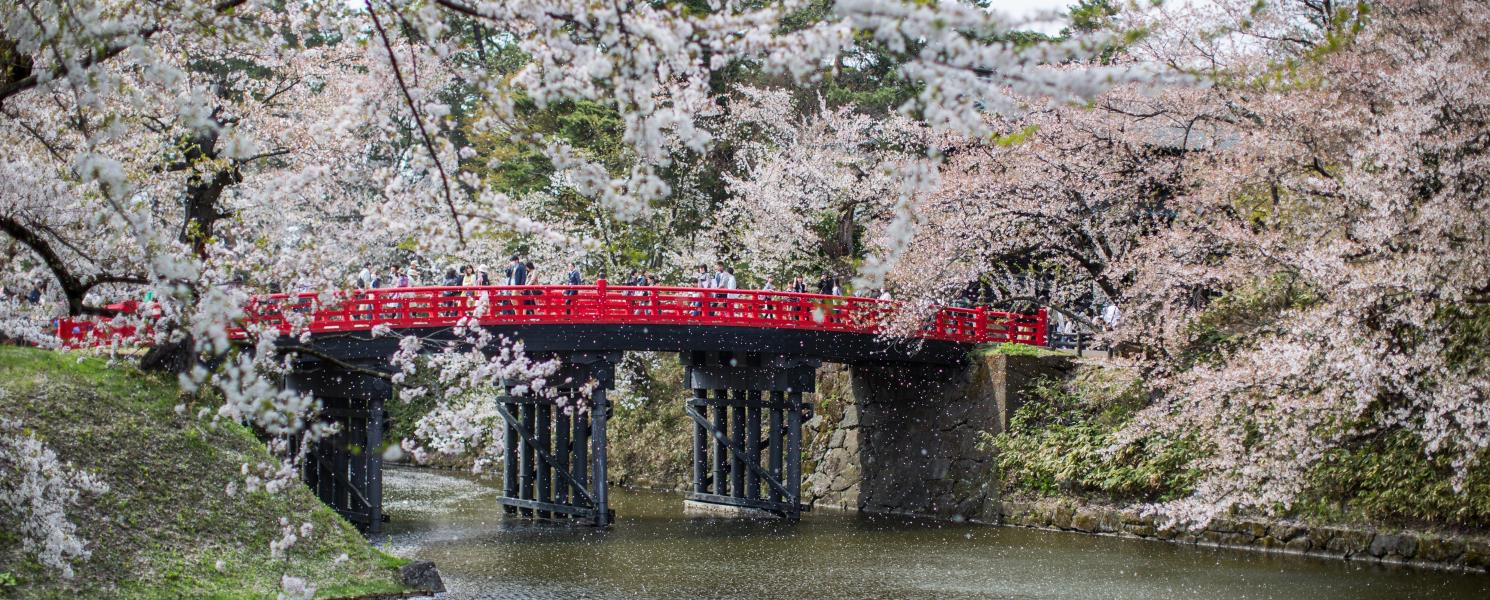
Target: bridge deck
pixel 601 314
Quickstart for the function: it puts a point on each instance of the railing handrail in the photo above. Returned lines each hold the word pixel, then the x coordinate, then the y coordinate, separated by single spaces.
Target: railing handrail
pixel 603 303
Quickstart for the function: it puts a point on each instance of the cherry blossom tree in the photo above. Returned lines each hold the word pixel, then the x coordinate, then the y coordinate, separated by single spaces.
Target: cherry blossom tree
pixel 204 152
pixel 1050 213
pixel 806 188
pixel 1358 177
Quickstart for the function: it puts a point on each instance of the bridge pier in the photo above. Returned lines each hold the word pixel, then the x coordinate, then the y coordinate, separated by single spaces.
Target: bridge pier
pixel 345 470
pixel 555 462
pixel 744 403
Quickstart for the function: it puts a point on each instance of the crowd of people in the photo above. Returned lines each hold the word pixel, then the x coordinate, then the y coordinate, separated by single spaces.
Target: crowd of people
pixel 34 295
pixel 523 271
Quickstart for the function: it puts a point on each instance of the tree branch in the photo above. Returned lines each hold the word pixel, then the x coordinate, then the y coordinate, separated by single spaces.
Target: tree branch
pixel 418 121
pixel 11 88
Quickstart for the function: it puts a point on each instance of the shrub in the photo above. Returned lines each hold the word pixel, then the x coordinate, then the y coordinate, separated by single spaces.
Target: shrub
pixel 1388 479
pixel 1061 442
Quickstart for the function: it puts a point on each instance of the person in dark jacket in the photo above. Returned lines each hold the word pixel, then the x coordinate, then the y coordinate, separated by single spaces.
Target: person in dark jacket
pixel 518 271
pixel 573 277
pixel 799 285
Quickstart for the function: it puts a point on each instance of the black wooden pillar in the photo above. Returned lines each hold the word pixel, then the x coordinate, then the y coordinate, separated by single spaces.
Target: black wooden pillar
pixel 345 469
pixel 555 463
pixel 755 397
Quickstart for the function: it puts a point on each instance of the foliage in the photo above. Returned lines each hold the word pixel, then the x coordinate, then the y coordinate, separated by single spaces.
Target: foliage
pixel 1013 349
pixel 651 437
pixel 1388 478
pixel 1063 441
pixel 166 521
pixel 1230 321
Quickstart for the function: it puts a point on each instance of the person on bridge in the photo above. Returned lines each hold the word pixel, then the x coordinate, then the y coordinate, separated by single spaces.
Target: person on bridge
pixel 724 278
pixel 726 281
pixel 572 277
pixel 798 285
pixel 482 275
pixel 700 280
pixel 826 285
pixel 517 272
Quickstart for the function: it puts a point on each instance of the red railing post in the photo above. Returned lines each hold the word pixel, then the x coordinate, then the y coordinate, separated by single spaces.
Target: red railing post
pixel 1042 327
pixel 980 325
pixel 600 302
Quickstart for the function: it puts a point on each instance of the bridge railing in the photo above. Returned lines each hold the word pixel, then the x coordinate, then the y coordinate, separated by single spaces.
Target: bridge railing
pixel 419 307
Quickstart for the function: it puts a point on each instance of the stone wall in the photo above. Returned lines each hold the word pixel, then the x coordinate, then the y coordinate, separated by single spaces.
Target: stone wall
pixel 910 440
pixel 1357 544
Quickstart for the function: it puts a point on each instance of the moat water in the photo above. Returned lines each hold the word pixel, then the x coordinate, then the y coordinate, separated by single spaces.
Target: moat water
pixel 654 551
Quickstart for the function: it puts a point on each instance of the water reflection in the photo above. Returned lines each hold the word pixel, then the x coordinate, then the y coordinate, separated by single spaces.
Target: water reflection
pixel 657 552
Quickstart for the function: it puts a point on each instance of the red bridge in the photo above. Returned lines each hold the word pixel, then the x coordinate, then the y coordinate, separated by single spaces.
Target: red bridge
pixel 599 304
pixel 749 356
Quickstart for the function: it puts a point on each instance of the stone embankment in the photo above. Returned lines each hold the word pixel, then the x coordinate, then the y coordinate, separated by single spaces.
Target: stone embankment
pixel 1411 548
pixel 903 440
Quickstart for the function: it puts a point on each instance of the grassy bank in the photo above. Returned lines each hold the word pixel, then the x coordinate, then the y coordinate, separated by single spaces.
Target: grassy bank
pixel 166 522
pixel 1057 447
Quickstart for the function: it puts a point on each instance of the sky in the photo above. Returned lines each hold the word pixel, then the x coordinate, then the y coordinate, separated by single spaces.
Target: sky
pixel 1032 8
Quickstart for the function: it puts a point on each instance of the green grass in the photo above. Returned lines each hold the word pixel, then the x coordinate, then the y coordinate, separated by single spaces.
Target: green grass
pixel 1012 349
pixel 166 519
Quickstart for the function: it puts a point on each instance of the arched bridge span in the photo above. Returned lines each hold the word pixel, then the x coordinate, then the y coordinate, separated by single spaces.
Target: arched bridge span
pixel 750 355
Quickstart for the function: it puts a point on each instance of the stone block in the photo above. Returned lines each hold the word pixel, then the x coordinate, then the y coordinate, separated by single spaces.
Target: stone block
pixel 1476 555
pixel 1140 530
pixel 1319 537
pixel 1061 515
pixel 850 418
pixel 1298 544
pixel 1393 545
pixel 1086 520
pixel 1438 550
pixel 1350 542
pixel 422 575
pixel 1256 529
pixel 1109 521
pixel 1226 538
pixel 1285 531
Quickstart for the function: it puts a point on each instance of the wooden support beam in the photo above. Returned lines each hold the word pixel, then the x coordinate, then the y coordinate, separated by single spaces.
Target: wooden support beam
pixel 793 482
pixel 509 457
pixel 752 443
pixel 700 451
pixel 720 438
pixel 737 436
pixel 721 455
pixel 774 449
pixel 562 454
pixel 544 441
